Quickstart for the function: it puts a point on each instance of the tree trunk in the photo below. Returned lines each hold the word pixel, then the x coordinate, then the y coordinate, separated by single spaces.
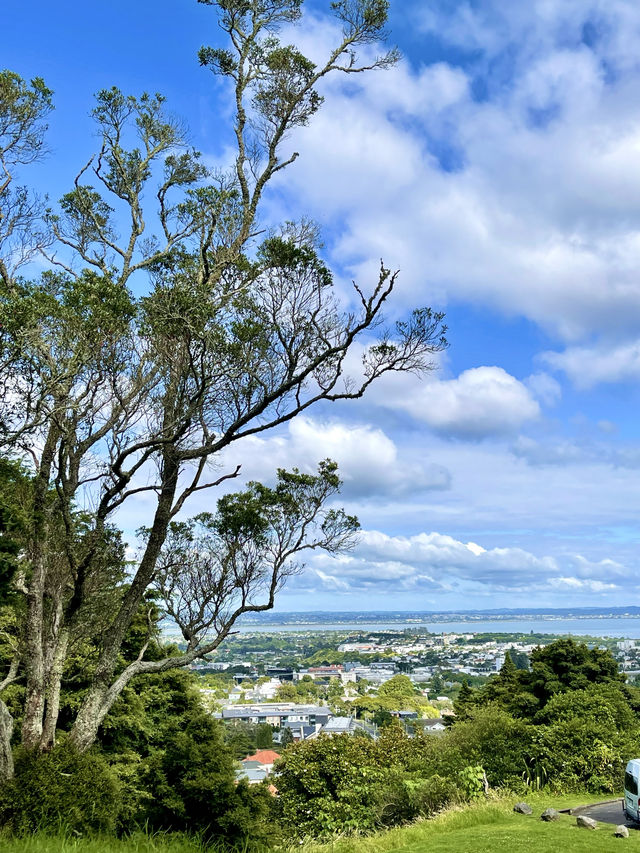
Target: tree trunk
pixel 6 755
pixel 34 633
pixel 101 696
pixel 48 738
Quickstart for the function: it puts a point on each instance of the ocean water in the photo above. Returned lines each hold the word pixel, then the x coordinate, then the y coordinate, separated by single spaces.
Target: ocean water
pixel 605 626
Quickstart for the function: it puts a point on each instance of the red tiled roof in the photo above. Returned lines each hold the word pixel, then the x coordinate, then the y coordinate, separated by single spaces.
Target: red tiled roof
pixel 264 756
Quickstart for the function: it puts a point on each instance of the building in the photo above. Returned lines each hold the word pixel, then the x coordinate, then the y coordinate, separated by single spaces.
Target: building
pixel 256 768
pixel 278 714
pixel 347 726
pixel 433 726
pixel 339 726
pixel 282 673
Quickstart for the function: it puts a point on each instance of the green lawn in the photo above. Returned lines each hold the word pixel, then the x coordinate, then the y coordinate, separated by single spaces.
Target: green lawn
pixel 491 828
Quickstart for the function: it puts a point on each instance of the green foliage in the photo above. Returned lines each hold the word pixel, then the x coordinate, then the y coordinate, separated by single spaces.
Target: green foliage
pixel 397 694
pixel 492 738
pixel 471 781
pixel 61 791
pixel 346 784
pixel 286 738
pixel 15 494
pixel 520 659
pixel 569 723
pixel 192 787
pixel 304 690
pixel 556 668
pixel 327 786
pixel 402 797
pixel 566 665
pixel 264 736
pixel 437 683
pixel 22 110
pixel 464 701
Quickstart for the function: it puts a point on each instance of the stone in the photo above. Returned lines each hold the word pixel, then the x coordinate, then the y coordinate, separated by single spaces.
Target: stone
pixel 522 808
pixel 621 831
pixel 550 814
pixel 586 822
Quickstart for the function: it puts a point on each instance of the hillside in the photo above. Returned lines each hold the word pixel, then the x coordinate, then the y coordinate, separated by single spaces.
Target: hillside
pixel 491 828
pixel 484 828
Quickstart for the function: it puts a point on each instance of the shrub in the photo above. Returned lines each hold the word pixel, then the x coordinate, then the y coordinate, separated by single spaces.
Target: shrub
pixel 491 738
pixel 403 797
pixel 192 788
pixel 346 785
pixel 328 786
pixel 62 790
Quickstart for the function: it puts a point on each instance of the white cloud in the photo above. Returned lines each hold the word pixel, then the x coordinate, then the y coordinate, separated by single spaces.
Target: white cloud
pixel 606 362
pixel 370 463
pixel 481 402
pixel 430 562
pixel 545 388
pixel 570 583
pixel 538 215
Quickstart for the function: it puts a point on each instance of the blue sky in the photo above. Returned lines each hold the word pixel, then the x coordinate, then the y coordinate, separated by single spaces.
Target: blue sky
pixel 498 167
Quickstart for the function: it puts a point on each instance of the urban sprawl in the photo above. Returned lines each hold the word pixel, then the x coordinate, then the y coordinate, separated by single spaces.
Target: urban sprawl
pixel 273 689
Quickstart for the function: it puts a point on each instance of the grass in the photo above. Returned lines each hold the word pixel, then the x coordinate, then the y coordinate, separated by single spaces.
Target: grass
pixel 490 828
pixel 140 843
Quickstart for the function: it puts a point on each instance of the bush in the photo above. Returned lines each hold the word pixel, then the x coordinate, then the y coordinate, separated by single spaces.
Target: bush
pixel 491 738
pixel 350 785
pixel 60 791
pixel 328 786
pixel 403 797
pixel 192 788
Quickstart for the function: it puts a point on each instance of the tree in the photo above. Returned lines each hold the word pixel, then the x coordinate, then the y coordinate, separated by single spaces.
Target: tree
pixel 437 683
pixel 23 110
pixel 264 736
pixel 508 671
pixel 286 737
pixel 567 665
pixel 399 688
pixel 464 701
pixel 192 787
pixel 126 396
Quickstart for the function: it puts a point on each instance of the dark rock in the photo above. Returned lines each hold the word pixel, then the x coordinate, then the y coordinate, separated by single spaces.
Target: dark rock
pixel 550 814
pixel 522 808
pixel 621 831
pixel 586 822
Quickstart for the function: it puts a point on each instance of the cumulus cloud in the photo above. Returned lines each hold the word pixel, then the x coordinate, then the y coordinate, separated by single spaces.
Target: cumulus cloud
pixel 607 362
pixel 480 402
pixel 434 562
pixel 509 182
pixel 370 463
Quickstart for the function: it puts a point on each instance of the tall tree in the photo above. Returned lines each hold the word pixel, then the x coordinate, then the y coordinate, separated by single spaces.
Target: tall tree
pixel 23 111
pixel 112 396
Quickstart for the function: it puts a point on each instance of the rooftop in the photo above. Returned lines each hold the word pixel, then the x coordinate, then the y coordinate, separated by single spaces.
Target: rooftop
pixel 263 756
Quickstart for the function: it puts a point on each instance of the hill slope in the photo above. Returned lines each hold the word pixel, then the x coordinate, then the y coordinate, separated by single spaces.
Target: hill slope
pixel 483 828
pixel 491 828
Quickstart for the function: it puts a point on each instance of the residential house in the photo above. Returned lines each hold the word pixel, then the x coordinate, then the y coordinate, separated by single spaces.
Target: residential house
pixel 257 767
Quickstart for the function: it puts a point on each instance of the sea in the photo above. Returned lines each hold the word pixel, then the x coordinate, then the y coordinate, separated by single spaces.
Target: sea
pixel 604 626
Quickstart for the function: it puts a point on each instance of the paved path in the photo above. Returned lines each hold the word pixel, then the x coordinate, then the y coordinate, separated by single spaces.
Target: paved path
pixel 607 813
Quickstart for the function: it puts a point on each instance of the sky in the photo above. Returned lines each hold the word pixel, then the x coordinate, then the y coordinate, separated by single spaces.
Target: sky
pixel 497 166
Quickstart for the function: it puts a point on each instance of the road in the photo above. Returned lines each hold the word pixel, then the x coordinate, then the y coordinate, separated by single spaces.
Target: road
pixel 607 813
